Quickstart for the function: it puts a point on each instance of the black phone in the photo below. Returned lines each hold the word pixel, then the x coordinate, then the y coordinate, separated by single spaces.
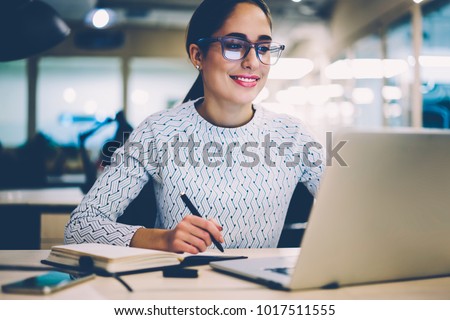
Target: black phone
pixel 46 283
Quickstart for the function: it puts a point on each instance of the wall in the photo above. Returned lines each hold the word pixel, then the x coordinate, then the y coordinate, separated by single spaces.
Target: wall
pixel 139 42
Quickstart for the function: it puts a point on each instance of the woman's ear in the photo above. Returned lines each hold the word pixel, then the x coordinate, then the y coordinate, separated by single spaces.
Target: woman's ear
pixel 195 55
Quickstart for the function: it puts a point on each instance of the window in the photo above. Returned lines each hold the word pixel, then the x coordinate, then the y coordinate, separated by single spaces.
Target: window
pixel 396 93
pixel 75 94
pixel 435 66
pixel 366 91
pixel 13 106
pixel 156 84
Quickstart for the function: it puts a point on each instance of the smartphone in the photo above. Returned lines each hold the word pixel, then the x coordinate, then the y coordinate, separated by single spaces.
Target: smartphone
pixel 46 283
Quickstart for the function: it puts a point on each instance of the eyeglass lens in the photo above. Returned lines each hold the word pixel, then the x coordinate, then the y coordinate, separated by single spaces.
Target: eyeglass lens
pixel 236 49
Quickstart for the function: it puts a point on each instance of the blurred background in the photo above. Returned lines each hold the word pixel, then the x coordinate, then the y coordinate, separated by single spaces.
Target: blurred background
pixel 347 63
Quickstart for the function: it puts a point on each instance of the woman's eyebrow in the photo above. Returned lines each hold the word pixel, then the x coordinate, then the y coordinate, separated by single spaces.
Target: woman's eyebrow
pixel 244 37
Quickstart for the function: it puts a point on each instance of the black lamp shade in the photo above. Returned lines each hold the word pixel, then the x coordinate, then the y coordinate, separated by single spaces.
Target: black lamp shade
pixel 29 28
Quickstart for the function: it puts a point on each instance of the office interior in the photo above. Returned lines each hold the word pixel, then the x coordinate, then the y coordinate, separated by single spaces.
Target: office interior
pixel 347 64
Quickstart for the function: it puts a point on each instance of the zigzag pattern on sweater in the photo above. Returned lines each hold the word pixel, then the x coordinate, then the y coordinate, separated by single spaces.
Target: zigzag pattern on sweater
pixel 228 173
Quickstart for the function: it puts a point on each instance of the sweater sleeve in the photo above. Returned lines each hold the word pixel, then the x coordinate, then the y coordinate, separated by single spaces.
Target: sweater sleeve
pixel 94 220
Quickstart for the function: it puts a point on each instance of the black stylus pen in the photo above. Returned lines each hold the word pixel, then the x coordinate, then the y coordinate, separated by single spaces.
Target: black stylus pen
pixel 195 212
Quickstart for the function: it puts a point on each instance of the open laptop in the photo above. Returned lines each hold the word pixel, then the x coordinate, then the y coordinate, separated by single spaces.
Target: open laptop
pixel 383 217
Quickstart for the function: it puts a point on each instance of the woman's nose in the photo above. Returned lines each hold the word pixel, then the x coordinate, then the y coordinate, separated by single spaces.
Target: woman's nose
pixel 251 60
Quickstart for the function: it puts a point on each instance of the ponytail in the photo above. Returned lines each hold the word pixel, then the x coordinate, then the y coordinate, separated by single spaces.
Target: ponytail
pixel 196 90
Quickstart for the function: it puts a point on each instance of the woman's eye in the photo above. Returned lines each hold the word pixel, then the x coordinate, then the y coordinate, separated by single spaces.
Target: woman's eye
pixel 233 46
pixel 263 49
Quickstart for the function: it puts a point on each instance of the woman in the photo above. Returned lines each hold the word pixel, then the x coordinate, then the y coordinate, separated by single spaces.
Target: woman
pixel 238 163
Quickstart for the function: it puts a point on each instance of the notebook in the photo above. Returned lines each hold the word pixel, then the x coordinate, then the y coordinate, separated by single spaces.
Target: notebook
pixel 105 259
pixel 383 217
pixel 110 258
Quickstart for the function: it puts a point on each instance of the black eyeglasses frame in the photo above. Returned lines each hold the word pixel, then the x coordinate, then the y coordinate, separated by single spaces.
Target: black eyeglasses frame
pixel 254 45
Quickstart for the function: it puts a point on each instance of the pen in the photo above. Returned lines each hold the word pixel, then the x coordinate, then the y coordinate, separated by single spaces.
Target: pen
pixel 195 212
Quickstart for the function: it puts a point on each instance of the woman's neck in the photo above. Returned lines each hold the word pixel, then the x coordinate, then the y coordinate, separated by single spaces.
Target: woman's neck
pixel 230 116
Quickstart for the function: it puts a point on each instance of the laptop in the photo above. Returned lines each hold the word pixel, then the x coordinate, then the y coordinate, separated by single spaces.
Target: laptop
pixel 385 216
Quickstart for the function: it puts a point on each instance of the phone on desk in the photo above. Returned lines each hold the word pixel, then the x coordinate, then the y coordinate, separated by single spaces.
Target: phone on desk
pixel 46 283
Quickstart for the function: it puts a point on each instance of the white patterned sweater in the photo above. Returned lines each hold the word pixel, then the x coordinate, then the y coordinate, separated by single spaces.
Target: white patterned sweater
pixel 243 177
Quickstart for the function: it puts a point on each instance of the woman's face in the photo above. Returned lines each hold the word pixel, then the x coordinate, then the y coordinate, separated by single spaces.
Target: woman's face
pixel 237 82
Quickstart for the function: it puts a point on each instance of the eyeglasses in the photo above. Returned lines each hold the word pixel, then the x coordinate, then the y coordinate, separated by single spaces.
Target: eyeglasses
pixel 235 49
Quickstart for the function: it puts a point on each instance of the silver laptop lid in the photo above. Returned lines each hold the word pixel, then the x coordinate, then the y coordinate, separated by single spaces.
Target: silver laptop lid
pixel 385 216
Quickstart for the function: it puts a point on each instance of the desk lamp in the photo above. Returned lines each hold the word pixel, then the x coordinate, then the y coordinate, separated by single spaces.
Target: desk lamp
pixel 28 27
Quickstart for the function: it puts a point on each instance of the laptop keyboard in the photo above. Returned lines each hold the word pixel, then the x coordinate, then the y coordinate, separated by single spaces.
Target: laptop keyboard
pixel 285 271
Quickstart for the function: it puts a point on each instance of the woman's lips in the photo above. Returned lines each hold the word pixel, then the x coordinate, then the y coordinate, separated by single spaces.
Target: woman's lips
pixel 246 81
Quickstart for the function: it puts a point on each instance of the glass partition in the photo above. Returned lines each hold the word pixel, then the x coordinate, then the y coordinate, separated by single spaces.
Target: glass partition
pixel 435 66
pixel 156 84
pixel 397 90
pixel 13 105
pixel 76 94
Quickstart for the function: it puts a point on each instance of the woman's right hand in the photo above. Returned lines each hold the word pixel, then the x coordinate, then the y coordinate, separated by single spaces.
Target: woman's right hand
pixel 193 235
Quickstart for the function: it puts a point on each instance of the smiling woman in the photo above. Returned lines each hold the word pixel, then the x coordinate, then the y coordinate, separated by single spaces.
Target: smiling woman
pixel 237 162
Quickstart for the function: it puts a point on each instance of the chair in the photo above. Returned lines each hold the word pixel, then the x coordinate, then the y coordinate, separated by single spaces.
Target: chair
pixel 142 210
pixel 296 217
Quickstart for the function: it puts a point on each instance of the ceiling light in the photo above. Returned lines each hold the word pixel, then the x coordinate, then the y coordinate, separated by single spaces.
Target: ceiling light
pixel 69 95
pixel 391 93
pixel 394 67
pixel 101 18
pixel 366 68
pixel 291 68
pixel 363 96
pixel 295 95
pixel 340 69
pixel 434 61
pixel 314 95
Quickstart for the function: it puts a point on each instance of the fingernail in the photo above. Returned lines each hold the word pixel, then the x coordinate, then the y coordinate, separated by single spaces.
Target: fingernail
pixel 221 239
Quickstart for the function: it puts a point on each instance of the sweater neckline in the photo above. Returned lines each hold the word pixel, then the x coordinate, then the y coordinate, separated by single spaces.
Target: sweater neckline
pixel 198 119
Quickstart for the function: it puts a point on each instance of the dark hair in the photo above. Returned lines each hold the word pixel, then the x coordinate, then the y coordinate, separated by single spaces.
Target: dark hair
pixel 209 17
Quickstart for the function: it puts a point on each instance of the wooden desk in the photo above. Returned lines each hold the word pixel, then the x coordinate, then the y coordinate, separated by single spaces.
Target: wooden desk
pixel 21 213
pixel 211 285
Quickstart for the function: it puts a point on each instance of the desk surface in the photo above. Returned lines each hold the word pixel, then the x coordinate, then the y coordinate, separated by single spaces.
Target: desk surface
pixel 42 197
pixel 211 285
